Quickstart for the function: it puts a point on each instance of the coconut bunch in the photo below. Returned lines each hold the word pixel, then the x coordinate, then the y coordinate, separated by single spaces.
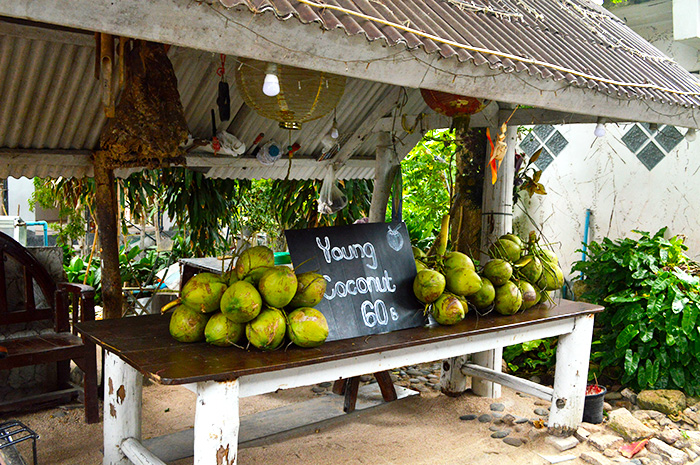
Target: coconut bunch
pixel 518 276
pixel 256 300
pixel 522 273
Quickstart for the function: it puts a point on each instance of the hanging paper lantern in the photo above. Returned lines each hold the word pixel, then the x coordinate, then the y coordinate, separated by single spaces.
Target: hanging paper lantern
pixel 304 95
pixel 453 105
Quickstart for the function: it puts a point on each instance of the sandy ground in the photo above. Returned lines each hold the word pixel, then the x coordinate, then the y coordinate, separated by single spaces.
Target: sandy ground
pixel 423 429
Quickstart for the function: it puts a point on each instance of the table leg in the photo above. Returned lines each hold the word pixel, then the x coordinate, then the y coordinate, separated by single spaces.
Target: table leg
pixel 571 376
pixel 216 423
pixel 490 359
pixel 452 382
pixel 122 408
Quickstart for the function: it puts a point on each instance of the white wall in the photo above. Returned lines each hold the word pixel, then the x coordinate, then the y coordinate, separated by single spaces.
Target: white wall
pixel 18 192
pixel 603 175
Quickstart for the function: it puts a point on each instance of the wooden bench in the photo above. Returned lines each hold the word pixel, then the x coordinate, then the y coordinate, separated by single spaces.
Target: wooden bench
pixel 141 346
pixel 59 342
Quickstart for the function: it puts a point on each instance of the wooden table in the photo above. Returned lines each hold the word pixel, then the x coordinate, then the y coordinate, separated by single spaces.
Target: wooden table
pixel 141 346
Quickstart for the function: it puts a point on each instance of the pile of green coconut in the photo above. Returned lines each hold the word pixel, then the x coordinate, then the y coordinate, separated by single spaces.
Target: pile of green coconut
pixel 518 276
pixel 255 300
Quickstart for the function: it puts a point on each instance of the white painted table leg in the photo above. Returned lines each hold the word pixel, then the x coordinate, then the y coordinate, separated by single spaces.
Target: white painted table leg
pixel 122 408
pixel 489 359
pixel 216 423
pixel 571 376
pixel 452 382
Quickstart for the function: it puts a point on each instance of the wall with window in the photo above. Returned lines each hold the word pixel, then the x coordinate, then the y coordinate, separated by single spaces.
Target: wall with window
pixel 634 177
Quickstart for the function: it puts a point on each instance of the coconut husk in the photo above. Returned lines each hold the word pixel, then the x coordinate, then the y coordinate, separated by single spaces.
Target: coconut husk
pixel 149 124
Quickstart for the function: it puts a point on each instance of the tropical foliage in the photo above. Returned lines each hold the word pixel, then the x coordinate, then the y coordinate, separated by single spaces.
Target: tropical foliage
pixel 648 335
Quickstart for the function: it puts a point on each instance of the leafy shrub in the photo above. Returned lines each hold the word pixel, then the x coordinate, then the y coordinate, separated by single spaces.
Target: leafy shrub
pixel 652 301
pixel 531 358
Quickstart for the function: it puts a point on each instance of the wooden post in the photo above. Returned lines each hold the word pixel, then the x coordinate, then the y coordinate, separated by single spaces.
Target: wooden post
pixel 497 219
pixel 452 382
pixel 106 216
pixel 122 408
pixel 216 423
pixel 387 166
pixel 571 376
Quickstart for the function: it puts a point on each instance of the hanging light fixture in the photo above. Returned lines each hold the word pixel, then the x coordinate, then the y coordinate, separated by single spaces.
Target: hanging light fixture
pixel 289 95
pixel 599 130
pixel 690 136
pixel 271 83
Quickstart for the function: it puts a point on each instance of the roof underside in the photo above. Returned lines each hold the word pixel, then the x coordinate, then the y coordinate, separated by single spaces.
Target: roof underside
pixel 50 100
pixel 575 40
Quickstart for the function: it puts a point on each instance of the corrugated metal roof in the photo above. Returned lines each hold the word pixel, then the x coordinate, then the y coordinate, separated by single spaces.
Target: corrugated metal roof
pixel 51 101
pixel 574 40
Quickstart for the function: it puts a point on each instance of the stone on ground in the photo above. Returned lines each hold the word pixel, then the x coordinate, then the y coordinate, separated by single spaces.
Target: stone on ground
pixel 602 441
pixel 670 435
pixel 668 401
pixel 671 455
pixel 582 434
pixel 562 444
pixel 623 422
pixel 595 458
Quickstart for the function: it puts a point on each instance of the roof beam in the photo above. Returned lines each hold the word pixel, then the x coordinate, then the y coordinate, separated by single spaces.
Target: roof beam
pixel 237 31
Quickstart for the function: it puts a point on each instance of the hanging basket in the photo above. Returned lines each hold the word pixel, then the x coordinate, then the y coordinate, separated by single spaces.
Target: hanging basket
pixel 305 95
pixel 453 105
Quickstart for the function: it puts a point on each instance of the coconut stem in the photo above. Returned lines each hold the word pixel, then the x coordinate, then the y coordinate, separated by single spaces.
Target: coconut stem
pixel 444 234
pixel 170 305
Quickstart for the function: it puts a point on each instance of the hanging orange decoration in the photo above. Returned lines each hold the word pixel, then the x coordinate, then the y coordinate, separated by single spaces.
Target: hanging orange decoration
pixel 498 151
pixel 453 105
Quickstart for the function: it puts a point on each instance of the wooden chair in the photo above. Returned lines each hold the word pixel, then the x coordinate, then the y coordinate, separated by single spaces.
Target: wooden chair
pixel 60 343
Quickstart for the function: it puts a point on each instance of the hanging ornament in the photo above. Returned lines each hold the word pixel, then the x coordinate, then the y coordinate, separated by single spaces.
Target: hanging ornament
pixel 223 100
pixel 453 105
pixel 287 94
pixel 498 151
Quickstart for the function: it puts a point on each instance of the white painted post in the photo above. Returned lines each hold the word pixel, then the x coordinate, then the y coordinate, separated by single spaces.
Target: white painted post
pixel 497 219
pixel 385 170
pixel 216 423
pixel 452 381
pixel 122 408
pixel 571 376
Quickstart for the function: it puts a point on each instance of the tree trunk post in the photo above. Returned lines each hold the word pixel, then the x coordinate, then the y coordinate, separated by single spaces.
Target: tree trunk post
pixel 106 215
pixel 497 219
pixel 386 168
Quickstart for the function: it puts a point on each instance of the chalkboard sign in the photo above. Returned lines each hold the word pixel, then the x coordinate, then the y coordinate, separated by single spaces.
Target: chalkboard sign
pixel 369 269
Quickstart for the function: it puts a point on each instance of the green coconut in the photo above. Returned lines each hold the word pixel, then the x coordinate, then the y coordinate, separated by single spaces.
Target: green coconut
pixel 530 268
pixel 417 253
pixel 310 289
pixel 428 285
pixel 484 296
pixel 513 238
pixel 220 331
pixel 508 299
pixel 203 292
pixel 255 274
pixel 252 258
pixel 266 331
pixel 498 271
pixel 188 324
pixel 307 327
pixel 550 257
pixel 529 293
pixel 448 309
pixel 505 249
pixel 241 302
pixel 277 286
pixel 552 278
pixel 462 281
pixel 454 260
pixel 420 265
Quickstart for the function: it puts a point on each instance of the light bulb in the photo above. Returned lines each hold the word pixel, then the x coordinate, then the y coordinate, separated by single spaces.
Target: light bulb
pixel 599 130
pixel 271 85
pixel 690 136
pixel 334 132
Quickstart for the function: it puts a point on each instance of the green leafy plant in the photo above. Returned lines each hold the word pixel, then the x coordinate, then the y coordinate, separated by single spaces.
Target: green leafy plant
pixel 647 337
pixel 531 358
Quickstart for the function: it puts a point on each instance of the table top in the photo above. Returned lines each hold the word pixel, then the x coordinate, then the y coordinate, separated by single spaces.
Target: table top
pixel 211 264
pixel 145 343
